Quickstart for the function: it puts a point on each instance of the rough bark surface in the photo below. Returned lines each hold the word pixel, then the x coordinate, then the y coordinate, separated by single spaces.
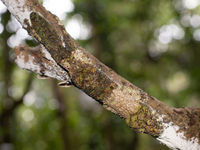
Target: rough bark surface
pixel 177 128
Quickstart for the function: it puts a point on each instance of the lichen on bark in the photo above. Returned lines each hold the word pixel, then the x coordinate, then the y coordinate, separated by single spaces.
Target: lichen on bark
pixel 187 119
pixel 144 120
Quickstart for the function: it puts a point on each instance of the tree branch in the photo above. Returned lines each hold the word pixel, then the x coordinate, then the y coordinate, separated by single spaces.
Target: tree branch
pixel 177 128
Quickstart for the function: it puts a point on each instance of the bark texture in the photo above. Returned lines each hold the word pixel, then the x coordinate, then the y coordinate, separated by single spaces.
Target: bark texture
pixel 177 128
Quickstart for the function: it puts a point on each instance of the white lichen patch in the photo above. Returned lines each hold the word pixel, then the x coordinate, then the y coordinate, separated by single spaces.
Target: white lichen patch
pixel 176 140
pixel 122 101
pixel 43 65
pixel 27 63
pixel 46 53
pixel 160 117
pixel 135 93
pixel 19 9
pixel 54 71
pixel 79 55
pixel 62 39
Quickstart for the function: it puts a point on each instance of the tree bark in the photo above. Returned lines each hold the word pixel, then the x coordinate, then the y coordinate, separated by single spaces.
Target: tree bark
pixel 178 128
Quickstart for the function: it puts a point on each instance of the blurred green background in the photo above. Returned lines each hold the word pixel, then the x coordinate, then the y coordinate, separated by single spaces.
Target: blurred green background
pixel 154 44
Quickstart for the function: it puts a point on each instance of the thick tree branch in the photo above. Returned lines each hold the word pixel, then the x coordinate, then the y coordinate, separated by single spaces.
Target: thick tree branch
pixel 177 128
